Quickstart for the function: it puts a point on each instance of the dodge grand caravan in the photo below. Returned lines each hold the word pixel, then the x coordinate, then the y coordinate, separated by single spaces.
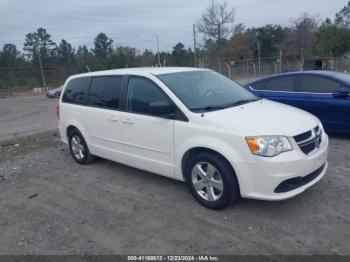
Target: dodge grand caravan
pixel 193 125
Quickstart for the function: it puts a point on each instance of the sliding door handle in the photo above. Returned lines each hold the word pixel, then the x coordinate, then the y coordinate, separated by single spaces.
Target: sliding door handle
pixel 127 121
pixel 113 118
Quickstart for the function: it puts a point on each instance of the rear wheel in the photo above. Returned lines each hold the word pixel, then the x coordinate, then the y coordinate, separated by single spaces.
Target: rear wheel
pixel 78 148
pixel 212 180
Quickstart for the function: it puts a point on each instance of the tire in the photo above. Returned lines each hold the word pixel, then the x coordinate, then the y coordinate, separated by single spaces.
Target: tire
pixel 79 149
pixel 209 172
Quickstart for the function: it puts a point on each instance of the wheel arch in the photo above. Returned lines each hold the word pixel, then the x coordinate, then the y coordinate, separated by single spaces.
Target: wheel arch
pixel 70 129
pixel 200 149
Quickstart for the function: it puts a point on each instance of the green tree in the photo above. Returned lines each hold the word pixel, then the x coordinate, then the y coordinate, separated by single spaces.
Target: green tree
pixel 65 55
pixel 9 55
pixel 39 43
pixel 84 58
pixel 238 47
pixel 103 46
pixel 342 18
pixel 123 56
pixel 65 51
pixel 40 48
pixel 181 56
pixel 269 37
pixel 147 58
pixel 82 53
pixel 332 40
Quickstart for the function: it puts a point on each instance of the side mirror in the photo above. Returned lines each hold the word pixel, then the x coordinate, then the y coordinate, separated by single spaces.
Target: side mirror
pixel 342 92
pixel 161 109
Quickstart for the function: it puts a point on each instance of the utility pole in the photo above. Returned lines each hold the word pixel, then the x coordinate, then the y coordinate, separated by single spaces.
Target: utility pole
pixel 41 66
pixel 158 51
pixel 194 45
pixel 259 58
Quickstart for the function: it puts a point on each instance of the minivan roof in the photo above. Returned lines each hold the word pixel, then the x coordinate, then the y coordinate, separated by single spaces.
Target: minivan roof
pixel 138 70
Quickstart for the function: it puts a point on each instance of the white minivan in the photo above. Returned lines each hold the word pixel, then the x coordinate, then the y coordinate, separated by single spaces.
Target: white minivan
pixel 193 125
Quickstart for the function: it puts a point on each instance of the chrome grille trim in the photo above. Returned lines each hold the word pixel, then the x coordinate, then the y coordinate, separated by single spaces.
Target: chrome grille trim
pixel 312 142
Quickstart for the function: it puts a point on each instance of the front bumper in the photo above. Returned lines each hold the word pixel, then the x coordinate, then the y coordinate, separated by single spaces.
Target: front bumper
pixel 283 176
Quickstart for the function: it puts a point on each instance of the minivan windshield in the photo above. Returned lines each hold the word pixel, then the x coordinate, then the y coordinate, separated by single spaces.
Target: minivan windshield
pixel 205 90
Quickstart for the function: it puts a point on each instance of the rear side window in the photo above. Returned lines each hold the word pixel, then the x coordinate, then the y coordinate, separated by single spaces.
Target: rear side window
pixel 105 91
pixel 77 91
pixel 141 92
pixel 318 84
pixel 285 84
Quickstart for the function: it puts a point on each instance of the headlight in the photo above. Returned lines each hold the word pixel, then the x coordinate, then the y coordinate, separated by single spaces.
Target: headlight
pixel 268 145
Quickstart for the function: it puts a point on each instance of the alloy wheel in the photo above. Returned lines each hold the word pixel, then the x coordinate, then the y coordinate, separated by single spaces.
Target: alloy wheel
pixel 78 148
pixel 207 181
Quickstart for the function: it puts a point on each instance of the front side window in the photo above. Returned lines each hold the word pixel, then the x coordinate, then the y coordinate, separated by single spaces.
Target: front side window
pixel 142 92
pixel 259 85
pixel 205 90
pixel 76 91
pixel 285 84
pixel 318 84
pixel 105 91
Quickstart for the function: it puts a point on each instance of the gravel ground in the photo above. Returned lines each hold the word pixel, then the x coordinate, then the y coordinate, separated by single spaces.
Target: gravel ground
pixel 51 205
pixel 26 115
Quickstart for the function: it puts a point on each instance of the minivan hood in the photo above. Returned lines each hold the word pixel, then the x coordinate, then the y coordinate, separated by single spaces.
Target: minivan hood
pixel 264 117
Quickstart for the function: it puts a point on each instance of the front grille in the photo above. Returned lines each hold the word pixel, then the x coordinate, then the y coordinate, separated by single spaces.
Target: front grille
pixel 310 140
pixel 293 183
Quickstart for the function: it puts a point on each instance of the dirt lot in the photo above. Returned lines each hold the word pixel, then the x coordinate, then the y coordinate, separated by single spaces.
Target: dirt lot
pixel 51 205
pixel 26 115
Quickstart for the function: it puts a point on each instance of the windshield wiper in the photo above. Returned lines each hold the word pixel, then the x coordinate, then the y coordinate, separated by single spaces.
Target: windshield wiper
pixel 241 102
pixel 218 107
pixel 208 108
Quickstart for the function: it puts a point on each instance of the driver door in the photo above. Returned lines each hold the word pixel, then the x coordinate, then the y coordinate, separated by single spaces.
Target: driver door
pixel 147 141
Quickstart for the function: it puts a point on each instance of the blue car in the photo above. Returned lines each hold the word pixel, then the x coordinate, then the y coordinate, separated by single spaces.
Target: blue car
pixel 322 93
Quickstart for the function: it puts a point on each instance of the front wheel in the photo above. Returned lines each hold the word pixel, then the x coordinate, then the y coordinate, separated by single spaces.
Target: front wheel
pixel 212 180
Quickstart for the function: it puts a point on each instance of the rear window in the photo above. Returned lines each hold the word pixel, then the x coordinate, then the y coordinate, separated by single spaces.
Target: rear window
pixel 317 84
pixel 105 91
pixel 77 91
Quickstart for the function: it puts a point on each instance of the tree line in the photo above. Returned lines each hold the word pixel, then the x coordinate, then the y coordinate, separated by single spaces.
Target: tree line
pixel 44 62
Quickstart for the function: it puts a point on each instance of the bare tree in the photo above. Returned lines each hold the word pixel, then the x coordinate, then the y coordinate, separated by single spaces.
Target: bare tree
pixel 215 21
pixel 215 24
pixel 301 37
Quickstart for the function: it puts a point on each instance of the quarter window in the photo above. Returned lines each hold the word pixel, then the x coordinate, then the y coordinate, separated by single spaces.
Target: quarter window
pixel 76 91
pixel 105 91
pixel 281 84
pixel 259 86
pixel 317 84
pixel 142 92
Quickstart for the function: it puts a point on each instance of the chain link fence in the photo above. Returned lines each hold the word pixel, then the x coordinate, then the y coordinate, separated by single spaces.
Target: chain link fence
pixel 248 70
pixel 26 78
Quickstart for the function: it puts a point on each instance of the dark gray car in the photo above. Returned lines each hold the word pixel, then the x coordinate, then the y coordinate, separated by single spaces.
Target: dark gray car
pixel 54 93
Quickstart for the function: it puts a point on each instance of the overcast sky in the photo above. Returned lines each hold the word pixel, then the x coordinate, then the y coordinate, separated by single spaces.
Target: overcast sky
pixel 137 22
